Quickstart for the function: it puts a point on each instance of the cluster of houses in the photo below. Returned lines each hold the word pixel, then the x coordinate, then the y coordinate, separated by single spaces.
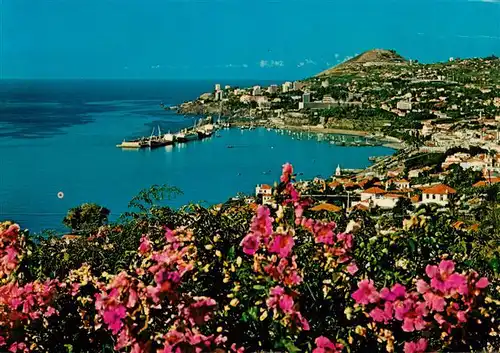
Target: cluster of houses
pixel 384 192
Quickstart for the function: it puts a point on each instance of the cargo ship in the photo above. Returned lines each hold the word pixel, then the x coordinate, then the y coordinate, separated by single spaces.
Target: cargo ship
pixel 186 135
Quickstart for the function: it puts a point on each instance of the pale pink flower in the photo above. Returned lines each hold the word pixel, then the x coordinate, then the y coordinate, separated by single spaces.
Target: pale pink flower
pixel 434 302
pixel 286 173
pixel 352 268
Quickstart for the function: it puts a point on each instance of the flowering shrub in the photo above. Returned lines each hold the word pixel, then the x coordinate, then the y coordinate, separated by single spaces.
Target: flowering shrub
pixel 235 280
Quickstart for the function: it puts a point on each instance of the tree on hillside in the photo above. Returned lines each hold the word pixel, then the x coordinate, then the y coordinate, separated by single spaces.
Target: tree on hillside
pixel 86 218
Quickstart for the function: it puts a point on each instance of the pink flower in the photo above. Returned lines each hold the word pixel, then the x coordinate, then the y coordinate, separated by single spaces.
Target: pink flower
pixel 385 315
pixel 324 345
pixel 416 347
pixel 302 321
pixel 262 222
pixel 286 173
pixel 113 318
pixel 397 291
pixel 482 283
pixel 250 244
pixel 366 293
pixel 286 304
pixel 411 313
pixel 145 245
pixel 282 245
pixel 422 286
pixel 237 350
pixel 200 311
pixel 352 268
pixel 444 279
pixel 434 302
pixel 462 316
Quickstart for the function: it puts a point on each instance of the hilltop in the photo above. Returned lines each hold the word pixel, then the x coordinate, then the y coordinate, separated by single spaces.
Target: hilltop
pixel 375 57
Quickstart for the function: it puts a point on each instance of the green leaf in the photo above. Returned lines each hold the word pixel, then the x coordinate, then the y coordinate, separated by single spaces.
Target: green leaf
pixel 231 253
pixel 412 245
pixel 290 347
pixel 258 287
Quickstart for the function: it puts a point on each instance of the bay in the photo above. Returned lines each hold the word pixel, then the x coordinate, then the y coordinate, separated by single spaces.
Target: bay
pixel 61 136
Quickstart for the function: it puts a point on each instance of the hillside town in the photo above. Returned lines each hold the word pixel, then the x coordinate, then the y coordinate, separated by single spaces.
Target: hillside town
pixel 431 106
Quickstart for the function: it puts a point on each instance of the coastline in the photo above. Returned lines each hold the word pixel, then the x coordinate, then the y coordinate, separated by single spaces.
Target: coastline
pixel 388 141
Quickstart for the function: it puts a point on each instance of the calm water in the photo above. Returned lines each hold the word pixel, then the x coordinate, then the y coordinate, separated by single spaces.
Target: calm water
pixel 60 136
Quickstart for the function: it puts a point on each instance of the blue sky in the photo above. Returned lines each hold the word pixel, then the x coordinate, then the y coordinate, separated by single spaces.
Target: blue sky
pixel 216 39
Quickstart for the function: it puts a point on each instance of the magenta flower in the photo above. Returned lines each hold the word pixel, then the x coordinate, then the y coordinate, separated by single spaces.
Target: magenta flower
pixel 286 304
pixel 444 279
pixel 482 283
pixel 416 347
pixel 397 291
pixel 366 293
pixel 282 245
pixel 324 345
pixel 145 245
pixel 385 315
pixel 113 318
pixel 250 244
pixel 411 313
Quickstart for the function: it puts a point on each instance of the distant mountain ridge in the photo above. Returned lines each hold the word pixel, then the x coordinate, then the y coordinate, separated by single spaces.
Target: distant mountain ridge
pixel 374 57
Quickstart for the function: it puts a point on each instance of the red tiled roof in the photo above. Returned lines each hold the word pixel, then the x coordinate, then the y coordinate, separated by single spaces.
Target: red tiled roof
pixel 394 196
pixel 374 190
pixel 361 207
pixel 265 186
pixel 401 181
pixel 326 207
pixel 70 237
pixel 486 182
pixel 415 198
pixel 439 189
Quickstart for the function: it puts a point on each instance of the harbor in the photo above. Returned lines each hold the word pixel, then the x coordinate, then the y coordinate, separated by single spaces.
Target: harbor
pixel 201 130
pixel 204 128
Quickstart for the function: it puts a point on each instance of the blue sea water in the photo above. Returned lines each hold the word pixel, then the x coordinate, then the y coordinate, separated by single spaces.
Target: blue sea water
pixel 61 136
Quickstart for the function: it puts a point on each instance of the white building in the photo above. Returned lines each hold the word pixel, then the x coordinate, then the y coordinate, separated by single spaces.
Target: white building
pixel 266 191
pixel 218 95
pixel 256 91
pixel 439 194
pixel 272 89
pixel 217 87
pixel 404 105
pixel 325 84
pixel 287 87
pixel 338 171
pixel 402 184
pixel 373 193
pixel 376 197
pixel 227 87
